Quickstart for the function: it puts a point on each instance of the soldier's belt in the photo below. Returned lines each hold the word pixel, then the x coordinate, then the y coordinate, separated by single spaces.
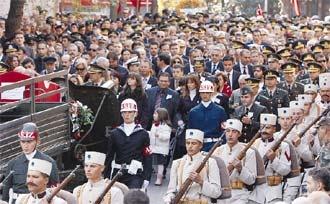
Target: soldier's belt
pixel 237 184
pixel 274 180
pixel 195 201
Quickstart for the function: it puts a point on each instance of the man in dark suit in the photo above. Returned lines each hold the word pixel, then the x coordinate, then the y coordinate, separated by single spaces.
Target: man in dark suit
pixel 177 75
pixel 148 80
pixel 249 114
pixel 162 96
pixel 278 97
pixel 228 62
pixel 215 63
pixel 113 62
pixel 163 63
pixel 244 66
pixel 189 67
pixel 294 88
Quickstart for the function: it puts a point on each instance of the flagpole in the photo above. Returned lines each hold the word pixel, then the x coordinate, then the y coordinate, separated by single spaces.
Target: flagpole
pixel 147 6
pixel 266 6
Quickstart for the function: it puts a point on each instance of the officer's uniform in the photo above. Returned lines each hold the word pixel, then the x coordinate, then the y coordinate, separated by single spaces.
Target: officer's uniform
pixel 44 167
pixel 15 185
pixel 89 192
pixel 181 170
pixel 313 67
pixel 247 176
pixel 276 169
pixel 94 68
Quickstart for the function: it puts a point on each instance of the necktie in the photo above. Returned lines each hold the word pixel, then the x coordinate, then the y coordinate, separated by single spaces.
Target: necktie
pixel 270 94
pixel 244 68
pixel 229 81
pixel 214 68
pixel 159 99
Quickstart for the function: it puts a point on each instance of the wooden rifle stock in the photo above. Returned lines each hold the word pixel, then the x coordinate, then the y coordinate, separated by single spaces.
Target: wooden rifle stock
pixel 188 181
pixel 107 188
pixel 242 153
pixel 63 184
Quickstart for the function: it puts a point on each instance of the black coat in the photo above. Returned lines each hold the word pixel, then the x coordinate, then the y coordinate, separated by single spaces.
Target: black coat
pixel 237 67
pixel 208 67
pixel 280 99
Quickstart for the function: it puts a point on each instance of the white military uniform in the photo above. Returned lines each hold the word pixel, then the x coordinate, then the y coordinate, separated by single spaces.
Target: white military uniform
pixel 32 199
pixel 181 169
pixel 89 192
pixel 247 175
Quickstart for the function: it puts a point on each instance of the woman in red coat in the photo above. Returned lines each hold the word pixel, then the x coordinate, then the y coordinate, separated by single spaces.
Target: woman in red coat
pixel 223 86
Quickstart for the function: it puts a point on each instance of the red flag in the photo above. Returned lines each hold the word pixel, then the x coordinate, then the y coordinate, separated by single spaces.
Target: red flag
pixel 260 11
pixel 296 7
pixel 136 4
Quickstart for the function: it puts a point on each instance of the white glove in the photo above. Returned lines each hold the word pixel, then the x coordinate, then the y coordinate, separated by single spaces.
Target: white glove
pixel 145 185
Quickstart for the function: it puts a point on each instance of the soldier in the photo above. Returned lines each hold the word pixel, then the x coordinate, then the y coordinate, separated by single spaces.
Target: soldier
pixel 259 99
pixel 311 89
pixel 279 162
pixel 128 147
pixel 89 192
pixel 323 131
pixel 248 114
pixel 277 97
pixel 38 176
pixel 29 140
pixel 207 116
pixel 324 84
pixel 96 73
pixel 206 184
pixel 199 69
pixel 314 70
pixel 245 171
pixel 294 88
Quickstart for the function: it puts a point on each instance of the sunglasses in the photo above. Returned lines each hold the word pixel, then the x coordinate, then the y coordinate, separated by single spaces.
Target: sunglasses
pixel 80 69
pixel 94 50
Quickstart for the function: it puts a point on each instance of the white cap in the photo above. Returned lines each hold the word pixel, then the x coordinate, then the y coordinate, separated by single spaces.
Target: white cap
pixel 268 119
pixel 284 112
pixel 95 158
pixel 128 105
pixel 195 134
pixel 234 124
pixel 206 87
pixel 42 166
pixel 324 80
pixel 310 87
pixel 305 98
pixel 296 104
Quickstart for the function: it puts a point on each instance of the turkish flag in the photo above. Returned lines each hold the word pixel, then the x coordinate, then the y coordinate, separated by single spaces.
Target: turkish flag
pixel 136 3
pixel 86 2
pixel 296 7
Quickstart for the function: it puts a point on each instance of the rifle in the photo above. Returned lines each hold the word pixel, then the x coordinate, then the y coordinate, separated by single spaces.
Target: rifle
pixel 63 184
pixel 242 153
pixel 188 181
pixel 107 188
pixel 4 181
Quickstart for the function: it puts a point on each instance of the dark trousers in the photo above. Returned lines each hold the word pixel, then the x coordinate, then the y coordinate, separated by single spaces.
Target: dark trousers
pixel 131 181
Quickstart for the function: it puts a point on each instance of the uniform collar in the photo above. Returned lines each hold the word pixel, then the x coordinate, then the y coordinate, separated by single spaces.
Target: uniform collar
pixel 195 157
pixel 206 104
pixel 99 183
pixel 269 140
pixel 39 195
pixel 30 156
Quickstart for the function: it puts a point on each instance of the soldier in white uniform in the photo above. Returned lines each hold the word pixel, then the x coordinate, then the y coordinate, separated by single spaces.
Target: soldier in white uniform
pixel 206 184
pixel 311 89
pixel 324 84
pixel 245 171
pixel 279 163
pixel 89 192
pixel 36 181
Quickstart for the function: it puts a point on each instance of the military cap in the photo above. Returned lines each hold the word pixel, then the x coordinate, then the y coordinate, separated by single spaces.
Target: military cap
pixel 193 40
pixel 246 90
pixel 285 52
pixel 318 28
pixel 135 35
pixel 199 62
pixel 306 57
pixel 94 68
pixel 252 81
pixel 3 67
pixel 325 43
pixel 186 28
pixel 274 56
pixel 89 22
pixel 10 48
pixel 49 59
pixel 266 49
pixel 138 27
pixel 238 44
pixel 318 48
pixel 314 67
pixel 295 60
pixel 289 67
pixel 201 29
pixel 271 74
pixel 133 61
pixel 299 44
pixel 304 28
pixel 76 35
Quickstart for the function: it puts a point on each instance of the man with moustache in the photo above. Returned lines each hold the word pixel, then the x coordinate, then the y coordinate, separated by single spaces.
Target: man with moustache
pixel 324 84
pixel 29 140
pixel 36 180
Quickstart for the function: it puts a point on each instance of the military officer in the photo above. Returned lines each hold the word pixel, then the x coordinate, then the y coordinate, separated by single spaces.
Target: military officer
pixel 294 88
pixel 277 97
pixel 96 75
pixel 206 184
pixel 249 114
pixel 199 68
pixel 29 140
pixel 314 70
pixel 37 178
pixel 245 171
pixel 89 192
pixel 259 99
pixel 279 162
pixel 128 148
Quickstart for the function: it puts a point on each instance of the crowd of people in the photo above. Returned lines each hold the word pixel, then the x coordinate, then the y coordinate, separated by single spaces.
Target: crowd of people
pixel 215 77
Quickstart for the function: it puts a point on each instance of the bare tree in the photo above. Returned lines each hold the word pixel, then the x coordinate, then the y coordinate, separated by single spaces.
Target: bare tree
pixel 15 15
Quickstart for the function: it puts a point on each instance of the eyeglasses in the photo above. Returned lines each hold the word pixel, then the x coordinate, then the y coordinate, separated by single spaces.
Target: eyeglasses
pixel 94 50
pixel 160 36
pixel 80 69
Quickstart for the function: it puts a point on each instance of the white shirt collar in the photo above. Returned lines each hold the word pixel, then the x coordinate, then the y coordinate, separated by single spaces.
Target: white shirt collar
pixel 206 104
pixel 128 128
pixel 30 156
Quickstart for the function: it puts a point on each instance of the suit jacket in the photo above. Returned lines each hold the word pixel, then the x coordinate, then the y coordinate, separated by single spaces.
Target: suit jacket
pixel 208 66
pixel 296 88
pixel 170 101
pixel 168 70
pixel 249 130
pixel 280 99
pixel 237 67
pixel 152 82
pixel 186 69
pixel 234 80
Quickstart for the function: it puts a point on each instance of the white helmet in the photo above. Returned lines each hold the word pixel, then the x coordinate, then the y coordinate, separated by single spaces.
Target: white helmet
pixel 128 105
pixel 206 87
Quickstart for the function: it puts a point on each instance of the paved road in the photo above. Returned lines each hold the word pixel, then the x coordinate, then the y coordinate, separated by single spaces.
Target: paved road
pixel 156 193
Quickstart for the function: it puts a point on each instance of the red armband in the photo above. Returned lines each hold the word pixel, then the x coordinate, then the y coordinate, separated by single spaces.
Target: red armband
pixel 146 151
